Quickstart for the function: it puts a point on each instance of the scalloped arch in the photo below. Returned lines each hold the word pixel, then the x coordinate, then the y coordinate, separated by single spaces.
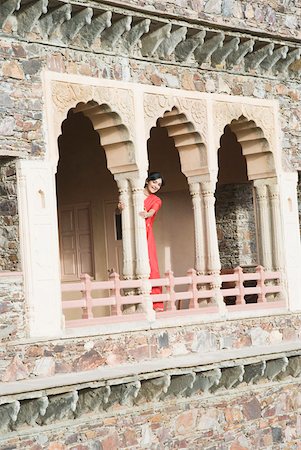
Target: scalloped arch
pixel 114 135
pixel 115 106
pixel 188 141
pixel 253 127
pixel 255 148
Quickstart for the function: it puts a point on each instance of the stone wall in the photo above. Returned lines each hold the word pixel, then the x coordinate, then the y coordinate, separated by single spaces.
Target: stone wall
pixel 22 359
pixel 21 65
pixel 254 417
pixel 12 312
pixel 9 223
pixel 235 223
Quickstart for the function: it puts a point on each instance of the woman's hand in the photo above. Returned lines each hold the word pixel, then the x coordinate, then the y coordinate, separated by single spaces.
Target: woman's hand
pixel 120 206
pixel 146 214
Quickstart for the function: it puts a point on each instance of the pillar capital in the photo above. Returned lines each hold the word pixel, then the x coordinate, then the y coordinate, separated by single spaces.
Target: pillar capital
pixel 122 184
pixel 208 188
pixel 137 183
pixel 261 192
pixel 274 191
pixel 194 188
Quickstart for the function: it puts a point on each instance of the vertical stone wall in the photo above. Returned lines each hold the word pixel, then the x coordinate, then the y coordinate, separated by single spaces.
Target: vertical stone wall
pixel 9 223
pixel 235 221
pixel 12 313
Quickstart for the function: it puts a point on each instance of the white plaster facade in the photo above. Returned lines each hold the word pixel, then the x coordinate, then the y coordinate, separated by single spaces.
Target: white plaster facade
pixel 123 115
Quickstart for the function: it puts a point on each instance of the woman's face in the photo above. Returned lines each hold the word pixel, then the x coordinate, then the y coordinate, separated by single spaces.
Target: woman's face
pixel 154 185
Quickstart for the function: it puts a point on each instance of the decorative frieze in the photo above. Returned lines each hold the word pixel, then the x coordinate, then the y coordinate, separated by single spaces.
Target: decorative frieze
pixel 24 411
pixel 144 35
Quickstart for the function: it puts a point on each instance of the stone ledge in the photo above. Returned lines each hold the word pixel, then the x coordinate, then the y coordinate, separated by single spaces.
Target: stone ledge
pixel 203 362
pixel 45 401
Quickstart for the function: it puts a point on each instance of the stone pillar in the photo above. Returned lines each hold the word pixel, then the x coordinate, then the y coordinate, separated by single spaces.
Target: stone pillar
pixel 142 269
pixel 142 260
pixel 277 235
pixel 39 246
pixel 197 205
pixel 127 228
pixel 264 229
pixel 213 264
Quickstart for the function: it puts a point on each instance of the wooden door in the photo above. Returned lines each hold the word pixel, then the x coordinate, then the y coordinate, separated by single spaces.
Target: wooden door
pixel 76 241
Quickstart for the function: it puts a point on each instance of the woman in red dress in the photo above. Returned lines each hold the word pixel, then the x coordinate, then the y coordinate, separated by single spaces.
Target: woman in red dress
pixel 152 204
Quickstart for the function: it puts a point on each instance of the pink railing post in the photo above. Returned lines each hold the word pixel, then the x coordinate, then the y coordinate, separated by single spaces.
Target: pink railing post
pixel 87 312
pixel 116 279
pixel 239 284
pixel 193 304
pixel 171 290
pixel 261 284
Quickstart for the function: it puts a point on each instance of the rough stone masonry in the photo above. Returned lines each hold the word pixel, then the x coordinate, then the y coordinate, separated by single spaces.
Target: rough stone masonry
pixel 246 412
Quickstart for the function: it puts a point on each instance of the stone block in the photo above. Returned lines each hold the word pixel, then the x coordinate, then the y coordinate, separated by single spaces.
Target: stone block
pixel 89 360
pixel 8 415
pixel 204 341
pixel 16 370
pixel 30 410
pixel 179 384
pixel 252 409
pixel 151 390
pixel 61 407
pixel 44 367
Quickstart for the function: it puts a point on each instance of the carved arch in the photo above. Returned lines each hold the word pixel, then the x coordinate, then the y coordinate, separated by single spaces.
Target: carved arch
pixel 255 148
pixel 114 135
pixel 188 141
pixel 254 130
pixel 111 112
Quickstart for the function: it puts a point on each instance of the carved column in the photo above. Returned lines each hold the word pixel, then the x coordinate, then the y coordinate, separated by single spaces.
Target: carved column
pixel 213 264
pixel 277 237
pixel 264 231
pixel 213 260
pixel 127 228
pixel 195 191
pixel 142 261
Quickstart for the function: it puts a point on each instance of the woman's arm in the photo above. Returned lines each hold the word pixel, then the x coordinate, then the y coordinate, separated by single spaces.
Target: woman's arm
pixel 146 214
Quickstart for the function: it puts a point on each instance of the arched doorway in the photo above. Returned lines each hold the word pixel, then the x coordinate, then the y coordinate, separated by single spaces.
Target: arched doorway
pixel 251 161
pixel 234 207
pixel 85 191
pixel 176 149
pixel 173 231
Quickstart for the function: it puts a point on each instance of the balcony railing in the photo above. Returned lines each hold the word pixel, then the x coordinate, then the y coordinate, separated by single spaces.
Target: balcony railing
pixel 116 300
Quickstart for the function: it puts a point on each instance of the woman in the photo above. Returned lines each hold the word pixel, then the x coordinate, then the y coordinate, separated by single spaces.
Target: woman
pixel 152 204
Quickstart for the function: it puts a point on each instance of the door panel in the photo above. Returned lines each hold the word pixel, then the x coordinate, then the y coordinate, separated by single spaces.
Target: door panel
pixel 76 241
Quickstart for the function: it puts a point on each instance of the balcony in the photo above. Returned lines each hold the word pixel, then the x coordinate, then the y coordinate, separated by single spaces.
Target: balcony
pixel 125 301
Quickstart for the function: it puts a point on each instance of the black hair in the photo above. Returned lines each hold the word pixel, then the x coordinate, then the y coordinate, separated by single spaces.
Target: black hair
pixel 152 176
